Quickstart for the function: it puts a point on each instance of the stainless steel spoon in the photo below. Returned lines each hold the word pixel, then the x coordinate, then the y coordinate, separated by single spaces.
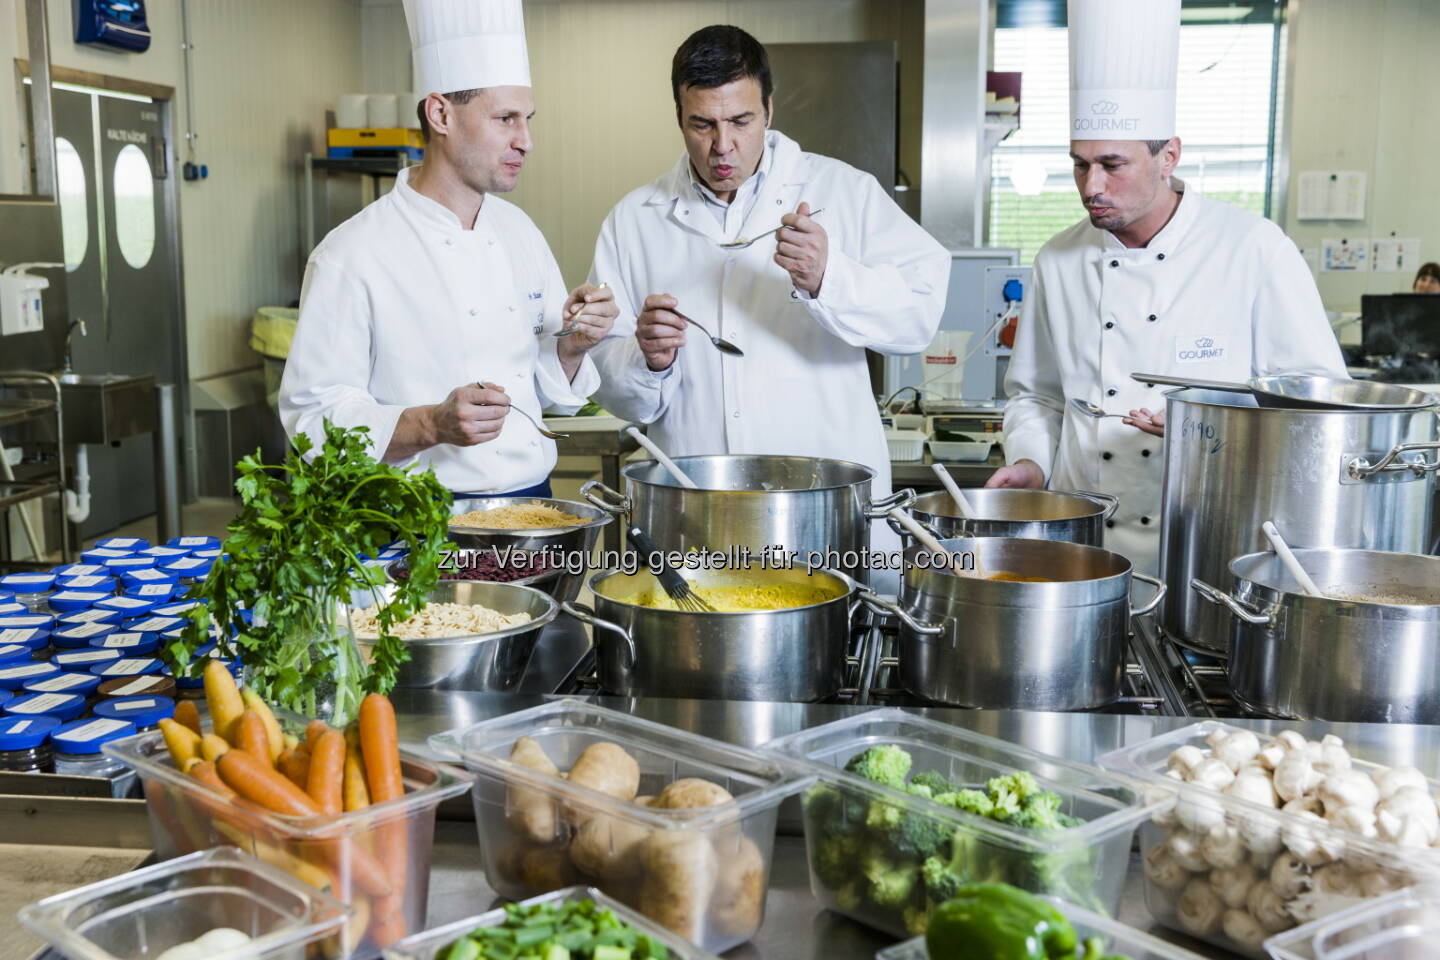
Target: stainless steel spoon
pixel 1093 410
pixel 562 334
pixel 744 242
pixel 538 426
pixel 721 344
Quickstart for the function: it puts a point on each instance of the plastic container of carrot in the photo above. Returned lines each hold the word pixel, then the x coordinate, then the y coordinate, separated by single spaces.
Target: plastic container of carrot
pixel 376 859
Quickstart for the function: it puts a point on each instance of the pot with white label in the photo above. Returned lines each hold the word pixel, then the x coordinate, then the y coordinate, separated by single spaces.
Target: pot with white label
pixel 1359 478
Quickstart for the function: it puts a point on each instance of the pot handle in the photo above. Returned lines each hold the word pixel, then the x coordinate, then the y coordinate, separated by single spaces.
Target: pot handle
pixel 877 509
pixel 879 604
pixel 1359 468
pixel 585 615
pixel 1221 598
pixel 612 502
pixel 900 530
pixel 1108 500
pixel 1154 601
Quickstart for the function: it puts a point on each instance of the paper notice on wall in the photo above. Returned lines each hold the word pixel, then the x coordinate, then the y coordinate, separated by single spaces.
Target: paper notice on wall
pixel 1311 256
pixel 1395 255
pixel 1331 195
pixel 1344 255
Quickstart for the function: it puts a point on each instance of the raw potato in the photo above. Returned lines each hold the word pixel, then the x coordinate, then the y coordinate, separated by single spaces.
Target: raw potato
pixel 691 793
pixel 532 812
pixel 738 905
pixel 605 767
pixel 608 847
pixel 543 869
pixel 679 868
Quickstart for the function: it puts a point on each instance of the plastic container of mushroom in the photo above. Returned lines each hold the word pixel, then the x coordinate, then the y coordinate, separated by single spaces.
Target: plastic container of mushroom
pixel 1264 833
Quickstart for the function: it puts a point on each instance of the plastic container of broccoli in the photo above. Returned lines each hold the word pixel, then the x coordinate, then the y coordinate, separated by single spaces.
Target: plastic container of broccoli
pixel 885 853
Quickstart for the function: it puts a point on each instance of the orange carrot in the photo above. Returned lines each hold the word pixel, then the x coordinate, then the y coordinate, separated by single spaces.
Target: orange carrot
pixel 327 771
pixel 252 737
pixel 356 790
pixel 380 745
pixel 313 730
pixel 207 774
pixel 297 767
pixel 388 923
pixel 188 715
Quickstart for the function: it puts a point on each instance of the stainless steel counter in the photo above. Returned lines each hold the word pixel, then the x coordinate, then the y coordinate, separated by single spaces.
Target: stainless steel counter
pixel 796 928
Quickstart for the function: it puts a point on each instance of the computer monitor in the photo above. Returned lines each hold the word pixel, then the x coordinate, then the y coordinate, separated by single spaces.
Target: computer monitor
pixel 1400 324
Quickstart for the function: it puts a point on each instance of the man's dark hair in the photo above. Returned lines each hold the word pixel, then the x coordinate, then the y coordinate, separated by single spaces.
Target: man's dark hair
pixel 1156 146
pixel 459 98
pixel 714 56
pixel 1431 270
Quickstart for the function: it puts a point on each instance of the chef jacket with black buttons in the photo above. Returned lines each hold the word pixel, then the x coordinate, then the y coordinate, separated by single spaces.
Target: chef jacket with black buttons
pixel 1218 294
pixel 401 304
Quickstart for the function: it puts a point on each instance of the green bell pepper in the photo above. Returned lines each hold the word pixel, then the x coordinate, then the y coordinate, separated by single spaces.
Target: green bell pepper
pixel 995 921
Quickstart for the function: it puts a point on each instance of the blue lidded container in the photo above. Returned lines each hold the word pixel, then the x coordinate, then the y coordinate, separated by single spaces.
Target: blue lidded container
pixel 128 544
pixel 27 621
pixel 85 659
pixel 194 543
pixel 141 576
pixel 68 601
pixel 164 554
pixel 12 652
pixel 128 606
pixel 130 667
pixel 34 638
pixel 12 676
pixel 100 555
pixel 189 568
pixel 9 607
pixel 25 743
pixel 77 745
pixel 119 565
pixel 28 585
pixel 155 624
pixel 157 592
pixel 129 643
pixel 80 570
pixel 79 635
pixel 97 582
pixel 61 706
pixel 84 684
pixel 178 608
pixel 144 711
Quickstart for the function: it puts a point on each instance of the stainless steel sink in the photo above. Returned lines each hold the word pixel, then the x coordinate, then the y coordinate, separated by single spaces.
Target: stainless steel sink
pixel 106 407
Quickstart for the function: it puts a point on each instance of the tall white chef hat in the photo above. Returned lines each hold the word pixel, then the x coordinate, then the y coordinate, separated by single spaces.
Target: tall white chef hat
pixel 467 44
pixel 1123 57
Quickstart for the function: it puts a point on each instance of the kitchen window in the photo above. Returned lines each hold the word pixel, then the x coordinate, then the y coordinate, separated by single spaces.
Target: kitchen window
pixel 1225 107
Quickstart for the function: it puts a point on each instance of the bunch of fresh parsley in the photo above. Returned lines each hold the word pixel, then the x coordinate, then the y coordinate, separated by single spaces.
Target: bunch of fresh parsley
pixel 294 560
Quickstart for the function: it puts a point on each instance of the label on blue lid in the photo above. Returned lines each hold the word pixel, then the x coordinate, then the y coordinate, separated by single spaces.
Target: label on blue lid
pixel 19 726
pixel 86 630
pixel 121 543
pixel 89 730
pixel 127 667
pixel 118 563
pixel 105 554
pixel 207 554
pixel 194 541
pixel 42 702
pixel 62 683
pixel 124 640
pixel 140 703
pixel 156 624
pixel 35 669
pixel 155 590
pixel 38 621
pixel 84 656
pixel 12 651
pixel 77 596
pixel 7 608
pixel 125 603
pixel 80 583
pixel 27 579
pixel 17 634
pixel 90 616
pixel 188 563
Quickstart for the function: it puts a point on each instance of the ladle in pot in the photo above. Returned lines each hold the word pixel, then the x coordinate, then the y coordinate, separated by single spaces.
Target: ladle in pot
pixel 918 531
pixel 953 488
pixel 660 456
pixel 1287 557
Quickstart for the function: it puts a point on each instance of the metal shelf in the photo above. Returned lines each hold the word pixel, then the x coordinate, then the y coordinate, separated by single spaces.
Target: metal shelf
pixel 15 411
pixel 12 494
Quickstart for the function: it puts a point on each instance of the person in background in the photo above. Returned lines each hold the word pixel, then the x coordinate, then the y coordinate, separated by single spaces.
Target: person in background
pixel 1156 279
pixel 1427 279
pixel 432 312
pixel 836 268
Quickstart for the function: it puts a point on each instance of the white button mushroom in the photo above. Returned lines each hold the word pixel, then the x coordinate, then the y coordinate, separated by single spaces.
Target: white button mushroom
pixel 1291 740
pixel 1199 813
pixel 1185 849
pixel 1354 819
pixel 1295 776
pixel 1254 786
pixel 1336 879
pixel 1373 883
pixel 1270 756
pixel 1232 884
pixel 1222 846
pixel 1162 870
pixel 1185 758
pixel 1267 906
pixel 1391 780
pixel 1289 876
pixel 1350 788
pixel 1237 749
pixel 1308 837
pixel 1212 774
pixel 1199 909
pixel 1408 818
pixel 1243 929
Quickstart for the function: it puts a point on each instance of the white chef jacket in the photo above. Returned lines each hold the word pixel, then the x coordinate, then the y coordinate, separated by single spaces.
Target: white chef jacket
pixel 1218 294
pixel 803 387
pixel 401 305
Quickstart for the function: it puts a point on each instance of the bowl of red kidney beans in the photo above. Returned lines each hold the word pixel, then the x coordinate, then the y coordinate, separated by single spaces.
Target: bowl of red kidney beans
pixel 495 565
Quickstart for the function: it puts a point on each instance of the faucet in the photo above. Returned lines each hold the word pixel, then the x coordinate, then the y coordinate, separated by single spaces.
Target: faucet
pixel 69 335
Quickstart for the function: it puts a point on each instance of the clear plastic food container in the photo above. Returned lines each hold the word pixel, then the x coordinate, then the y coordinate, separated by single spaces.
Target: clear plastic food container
pixel 140 915
pixel 342 855
pixel 1404 925
pixel 701 873
pixel 1117 938
pixel 861 861
pixel 428 945
pixel 1293 868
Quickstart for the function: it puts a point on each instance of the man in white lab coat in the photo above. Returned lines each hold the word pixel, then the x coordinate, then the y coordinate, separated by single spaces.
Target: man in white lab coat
pixel 802 302
pixel 1158 279
pixel 430 313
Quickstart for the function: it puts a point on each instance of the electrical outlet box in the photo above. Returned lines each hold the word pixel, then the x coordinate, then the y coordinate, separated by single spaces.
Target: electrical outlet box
pixel 21 307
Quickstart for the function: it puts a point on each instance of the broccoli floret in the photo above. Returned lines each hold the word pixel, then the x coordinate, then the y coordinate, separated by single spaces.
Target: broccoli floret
pixel 848 897
pixel 1009 792
pixel 918 836
pixel 940 881
pixel 887 764
pixel 929 778
pixel 890 885
pixel 834 812
pixel 917 920
pixel 968 801
pixel 883 817
pixel 919 790
pixel 1041 811
pixel 835 859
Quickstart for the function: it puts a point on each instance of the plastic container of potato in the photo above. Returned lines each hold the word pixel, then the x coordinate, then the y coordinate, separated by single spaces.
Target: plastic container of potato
pixel 366 858
pixel 1086 862
pixel 700 873
pixel 429 945
pixel 1355 868
pixel 1116 937
pixel 140 915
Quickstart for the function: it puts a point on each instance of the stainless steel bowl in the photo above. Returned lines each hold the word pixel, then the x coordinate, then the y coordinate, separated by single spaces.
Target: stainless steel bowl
pixel 488 662
pixel 566 541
